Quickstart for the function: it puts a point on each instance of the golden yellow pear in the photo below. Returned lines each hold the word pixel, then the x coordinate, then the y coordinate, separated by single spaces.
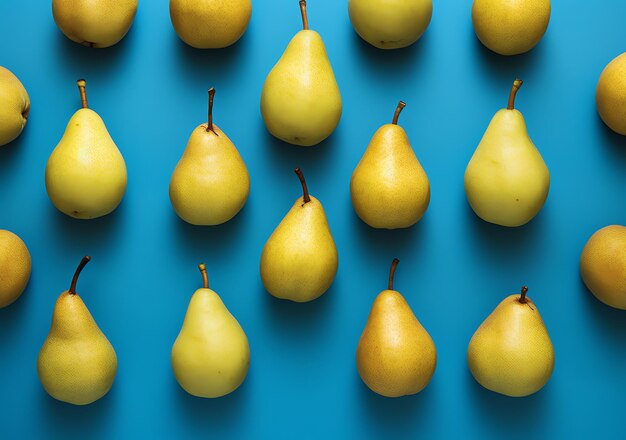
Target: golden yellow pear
pixel 511 352
pixel 611 95
pixel 15 267
pixel 211 183
pixel 603 265
pixel 507 181
pixel 300 101
pixel 77 363
pixel 395 356
pixel 14 106
pixel 211 355
pixel 389 187
pixel 299 261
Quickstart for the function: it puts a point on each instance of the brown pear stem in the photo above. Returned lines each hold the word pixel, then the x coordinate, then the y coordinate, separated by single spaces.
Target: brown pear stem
pixel 209 126
pixel 523 293
pixel 305 191
pixel 79 269
pixel 392 272
pixel 82 88
pixel 399 109
pixel 516 86
pixel 305 20
pixel 205 277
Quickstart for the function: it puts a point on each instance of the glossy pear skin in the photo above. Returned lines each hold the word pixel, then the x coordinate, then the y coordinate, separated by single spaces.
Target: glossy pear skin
pixel 211 355
pixel 511 352
pixel 300 101
pixel 15 267
pixel 14 106
pixel 611 95
pixel 86 173
pixel 396 356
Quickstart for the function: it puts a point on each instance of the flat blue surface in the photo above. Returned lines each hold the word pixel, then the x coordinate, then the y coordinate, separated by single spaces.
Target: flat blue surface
pixel 151 92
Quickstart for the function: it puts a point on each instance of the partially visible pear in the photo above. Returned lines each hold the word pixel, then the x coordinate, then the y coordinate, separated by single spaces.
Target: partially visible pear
pixel 389 187
pixel 511 352
pixel 77 363
pixel 299 261
pixel 507 181
pixel 86 173
pixel 396 356
pixel 211 355
pixel 611 95
pixel 15 267
pixel 14 106
pixel 300 101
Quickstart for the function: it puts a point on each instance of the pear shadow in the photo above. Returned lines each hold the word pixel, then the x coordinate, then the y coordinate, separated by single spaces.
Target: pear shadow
pixel 10 153
pixel 610 321
pixel 616 143
pixel 13 315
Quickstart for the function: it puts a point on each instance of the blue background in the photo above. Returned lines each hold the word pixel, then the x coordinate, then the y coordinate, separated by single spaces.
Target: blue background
pixel 151 91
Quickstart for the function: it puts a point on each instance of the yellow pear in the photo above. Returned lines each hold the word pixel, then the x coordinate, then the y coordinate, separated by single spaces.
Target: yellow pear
pixel 211 355
pixel 611 95
pixel 299 261
pixel 94 23
pixel 507 181
pixel 390 24
pixel 389 187
pixel 300 101
pixel 396 356
pixel 210 24
pixel 603 265
pixel 15 266
pixel 77 363
pixel 511 352
pixel 14 106
pixel 211 183
pixel 510 27
pixel 86 174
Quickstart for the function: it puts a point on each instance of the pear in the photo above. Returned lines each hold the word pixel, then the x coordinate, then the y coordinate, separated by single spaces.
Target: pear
pixel 396 356
pixel 611 95
pixel 211 355
pixel 510 27
pixel 603 265
pixel 94 23
pixel 507 181
pixel 299 261
pixel 77 363
pixel 390 24
pixel 15 267
pixel 389 187
pixel 86 174
pixel 300 101
pixel 210 24
pixel 211 183
pixel 14 106
pixel 511 352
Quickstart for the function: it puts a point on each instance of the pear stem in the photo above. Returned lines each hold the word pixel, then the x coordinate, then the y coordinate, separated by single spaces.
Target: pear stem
pixel 82 88
pixel 392 272
pixel 305 191
pixel 209 126
pixel 205 277
pixel 79 269
pixel 523 293
pixel 305 20
pixel 516 86
pixel 399 109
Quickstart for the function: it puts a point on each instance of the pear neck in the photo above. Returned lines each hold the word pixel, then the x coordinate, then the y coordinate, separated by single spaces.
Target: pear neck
pixel 82 88
pixel 305 190
pixel 516 86
pixel 79 269
pixel 205 277
pixel 305 19
pixel 392 272
pixel 209 127
pixel 399 109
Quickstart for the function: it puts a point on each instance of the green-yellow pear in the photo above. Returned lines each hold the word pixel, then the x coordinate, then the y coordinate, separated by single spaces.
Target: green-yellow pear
pixel 211 183
pixel 210 24
pixel 211 355
pixel 396 356
pixel 389 187
pixel 510 27
pixel 86 174
pixel 94 23
pixel 603 265
pixel 611 95
pixel 511 352
pixel 14 106
pixel 507 181
pixel 299 261
pixel 390 24
pixel 15 266
pixel 77 363
pixel 300 101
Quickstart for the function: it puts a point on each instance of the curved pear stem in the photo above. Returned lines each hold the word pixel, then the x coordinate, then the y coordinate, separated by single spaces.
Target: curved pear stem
pixel 209 126
pixel 392 272
pixel 82 88
pixel 305 191
pixel 523 293
pixel 79 269
pixel 516 86
pixel 399 109
pixel 305 20
pixel 205 277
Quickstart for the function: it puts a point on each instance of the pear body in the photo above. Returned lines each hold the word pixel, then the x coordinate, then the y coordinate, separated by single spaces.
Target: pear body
pixel 300 101
pixel 211 355
pixel 396 356
pixel 390 24
pixel 507 181
pixel 211 183
pixel 511 352
pixel 15 267
pixel 77 363
pixel 86 173
pixel 94 23
pixel 299 261
pixel 389 187
pixel 611 95
pixel 14 106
